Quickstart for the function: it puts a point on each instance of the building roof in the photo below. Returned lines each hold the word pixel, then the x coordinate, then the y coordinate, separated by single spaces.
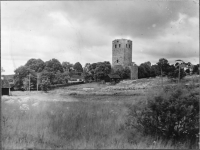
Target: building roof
pixel 114 76
pixel 5 84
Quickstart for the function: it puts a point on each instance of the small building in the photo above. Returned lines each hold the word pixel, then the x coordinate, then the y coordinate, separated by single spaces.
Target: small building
pixel 112 78
pixel 5 87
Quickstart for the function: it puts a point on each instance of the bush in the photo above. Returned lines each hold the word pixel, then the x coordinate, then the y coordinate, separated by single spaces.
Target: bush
pixel 173 114
pixel 174 74
pixel 45 85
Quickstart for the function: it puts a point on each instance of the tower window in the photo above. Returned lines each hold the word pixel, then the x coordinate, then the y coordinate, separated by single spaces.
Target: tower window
pixel 126 45
pixel 117 60
pixel 115 45
pixel 119 45
pixel 130 46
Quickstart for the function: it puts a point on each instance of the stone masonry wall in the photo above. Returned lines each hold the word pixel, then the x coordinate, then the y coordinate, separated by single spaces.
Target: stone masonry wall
pixel 134 72
pixel 117 53
pixel 122 52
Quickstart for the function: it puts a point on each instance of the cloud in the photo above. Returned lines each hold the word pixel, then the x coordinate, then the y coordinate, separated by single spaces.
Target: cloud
pixel 133 18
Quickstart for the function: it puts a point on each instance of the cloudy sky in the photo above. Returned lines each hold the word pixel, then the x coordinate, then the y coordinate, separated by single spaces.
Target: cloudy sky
pixel 83 31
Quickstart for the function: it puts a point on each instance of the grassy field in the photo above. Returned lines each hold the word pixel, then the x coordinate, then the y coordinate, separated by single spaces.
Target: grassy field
pixel 80 116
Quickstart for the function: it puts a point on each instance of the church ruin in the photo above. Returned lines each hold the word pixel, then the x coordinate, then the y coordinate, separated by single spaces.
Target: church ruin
pixel 122 56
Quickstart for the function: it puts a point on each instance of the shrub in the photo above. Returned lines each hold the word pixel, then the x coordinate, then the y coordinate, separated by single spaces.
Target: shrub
pixel 174 74
pixel 45 85
pixel 173 114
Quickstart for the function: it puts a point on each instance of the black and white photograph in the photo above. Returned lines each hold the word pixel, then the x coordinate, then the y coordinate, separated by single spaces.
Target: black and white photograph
pixel 102 74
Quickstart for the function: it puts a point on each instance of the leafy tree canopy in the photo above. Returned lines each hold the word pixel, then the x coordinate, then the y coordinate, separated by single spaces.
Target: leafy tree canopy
pixel 154 71
pixel 67 66
pixel 21 73
pixel 125 73
pixel 164 65
pixel 53 66
pixel 78 67
pixel 195 69
pixel 97 71
pixel 35 64
pixel 144 70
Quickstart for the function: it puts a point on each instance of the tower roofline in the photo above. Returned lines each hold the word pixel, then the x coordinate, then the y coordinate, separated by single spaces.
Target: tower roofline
pixel 122 39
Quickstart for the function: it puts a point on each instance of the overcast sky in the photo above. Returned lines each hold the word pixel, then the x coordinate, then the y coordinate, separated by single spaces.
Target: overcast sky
pixel 83 31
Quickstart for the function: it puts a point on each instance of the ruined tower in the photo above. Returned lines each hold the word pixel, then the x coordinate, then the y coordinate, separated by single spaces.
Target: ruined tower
pixel 122 56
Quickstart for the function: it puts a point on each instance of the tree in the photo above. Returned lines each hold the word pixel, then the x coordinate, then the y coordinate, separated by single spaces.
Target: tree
pixel 67 66
pixel 87 76
pixel 35 64
pixel 20 74
pixel 61 78
pixel 26 83
pixel 125 73
pixel 47 75
pixel 102 70
pixel 174 72
pixel 45 84
pixel 187 71
pixel 163 66
pixel 86 72
pixel 78 67
pixel 196 69
pixel 154 71
pixel 97 71
pixel 144 70
pixel 141 72
pixel 91 70
pixel 53 66
pixel 86 68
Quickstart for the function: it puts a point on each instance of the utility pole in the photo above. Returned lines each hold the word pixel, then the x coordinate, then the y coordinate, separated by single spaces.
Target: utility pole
pixel 180 64
pixel 161 76
pixel 179 74
pixel 162 73
pixel 37 80
pixel 29 82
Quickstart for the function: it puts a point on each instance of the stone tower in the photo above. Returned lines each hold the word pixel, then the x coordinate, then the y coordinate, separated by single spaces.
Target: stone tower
pixel 122 56
pixel 121 52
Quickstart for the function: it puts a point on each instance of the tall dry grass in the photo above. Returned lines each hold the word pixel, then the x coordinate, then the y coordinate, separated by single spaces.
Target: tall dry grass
pixel 83 124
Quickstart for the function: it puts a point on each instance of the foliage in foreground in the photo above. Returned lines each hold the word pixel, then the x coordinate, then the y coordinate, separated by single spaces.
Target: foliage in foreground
pixel 45 85
pixel 172 114
pixel 90 124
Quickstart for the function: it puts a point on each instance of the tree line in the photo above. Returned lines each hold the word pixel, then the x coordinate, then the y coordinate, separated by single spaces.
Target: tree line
pixel 163 68
pixel 53 72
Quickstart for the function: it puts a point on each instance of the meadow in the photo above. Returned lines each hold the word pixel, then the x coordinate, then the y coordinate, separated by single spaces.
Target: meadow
pixel 87 116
